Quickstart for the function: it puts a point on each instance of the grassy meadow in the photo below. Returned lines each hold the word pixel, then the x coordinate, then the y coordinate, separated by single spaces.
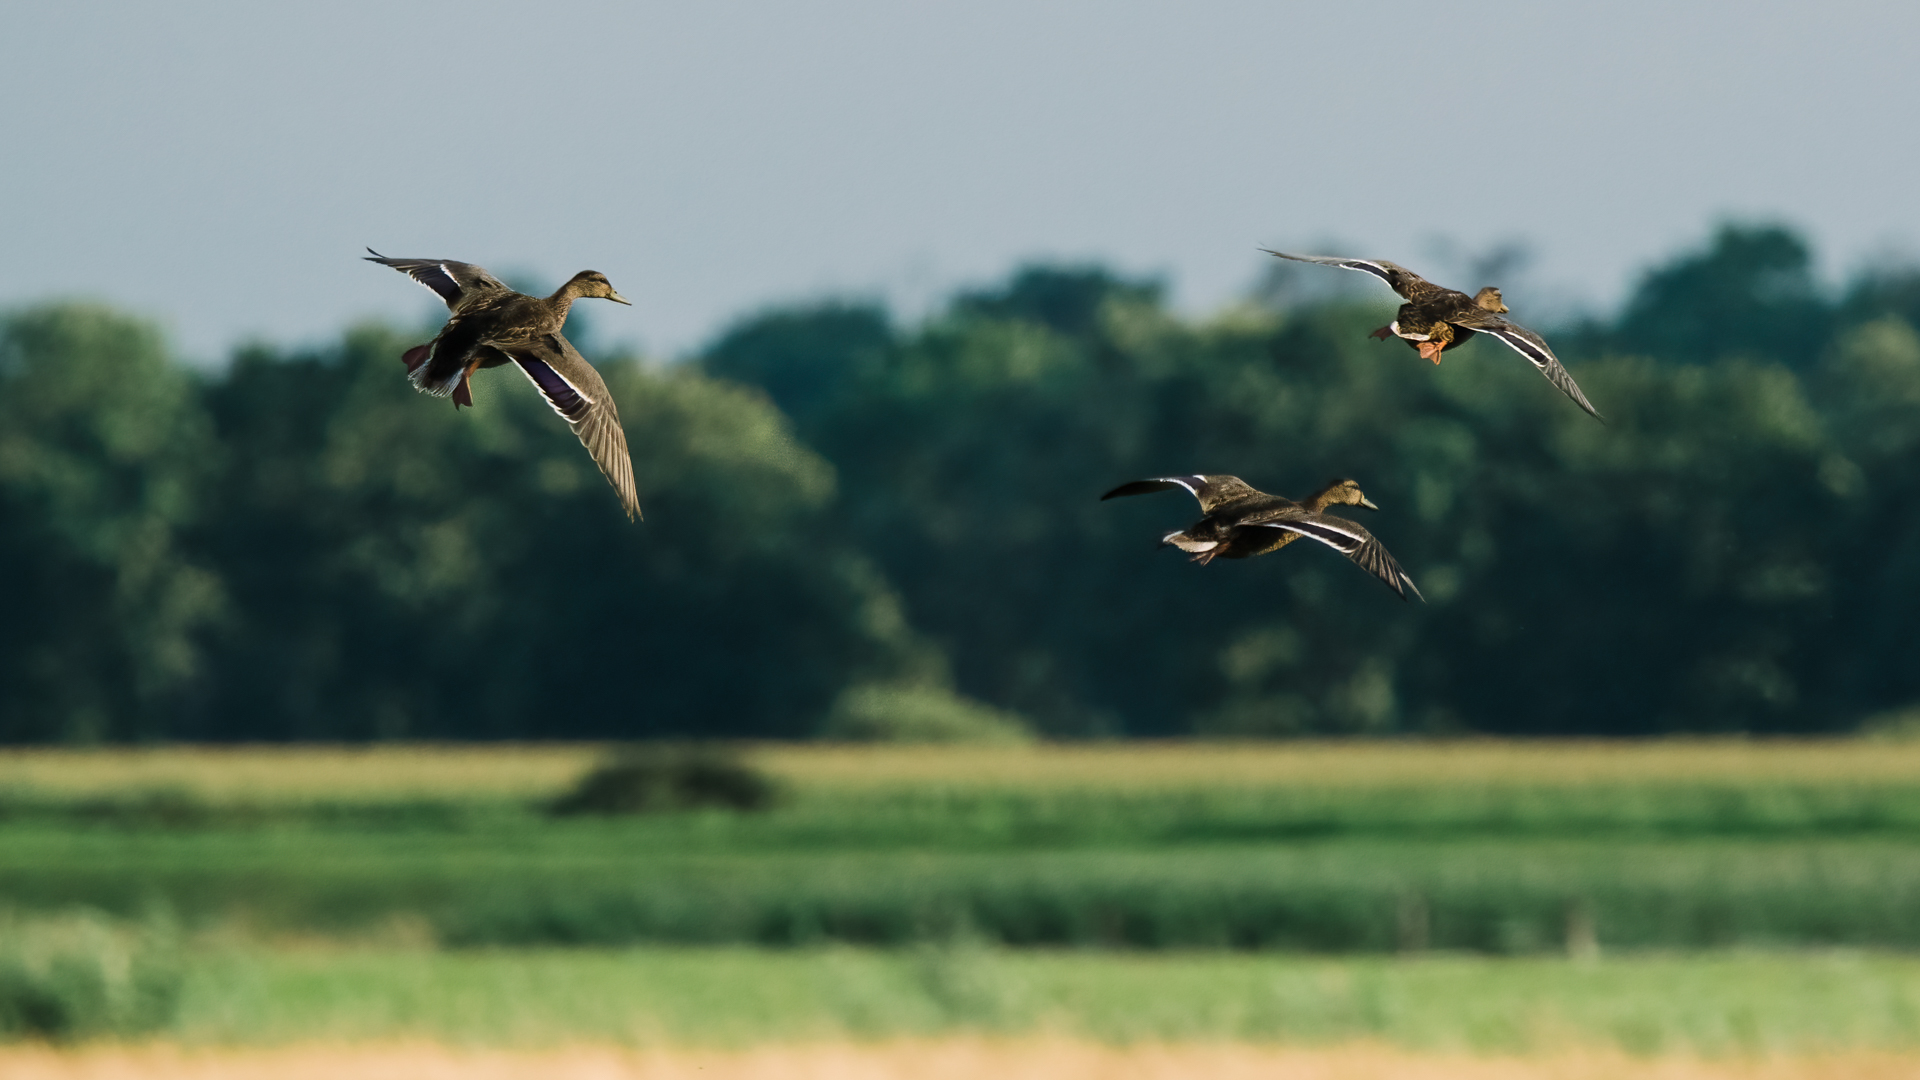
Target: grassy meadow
pixel 1716 1005
pixel 1488 847
pixel 1715 897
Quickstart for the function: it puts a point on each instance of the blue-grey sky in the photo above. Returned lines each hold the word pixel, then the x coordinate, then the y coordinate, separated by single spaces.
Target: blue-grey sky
pixel 220 165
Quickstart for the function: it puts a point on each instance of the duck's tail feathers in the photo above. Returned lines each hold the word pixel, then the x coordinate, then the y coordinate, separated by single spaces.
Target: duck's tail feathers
pixel 1188 544
pixel 417 375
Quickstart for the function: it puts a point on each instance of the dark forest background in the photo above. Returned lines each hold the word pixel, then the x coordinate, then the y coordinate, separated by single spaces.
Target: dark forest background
pixel 867 529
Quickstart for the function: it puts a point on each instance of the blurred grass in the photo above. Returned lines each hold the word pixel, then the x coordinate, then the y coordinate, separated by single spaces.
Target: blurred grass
pixel 603 883
pixel 386 773
pixel 77 975
pixel 296 773
pixel 1497 847
pixel 1746 1004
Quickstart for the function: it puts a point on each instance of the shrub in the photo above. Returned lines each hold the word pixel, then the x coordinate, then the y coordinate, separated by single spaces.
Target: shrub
pixel 662 778
pixel 79 975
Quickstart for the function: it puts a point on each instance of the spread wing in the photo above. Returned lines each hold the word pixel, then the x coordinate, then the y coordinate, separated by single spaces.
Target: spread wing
pixel 1530 345
pixel 1397 277
pixel 1211 491
pixel 457 283
pixel 1350 540
pixel 1189 484
pixel 579 395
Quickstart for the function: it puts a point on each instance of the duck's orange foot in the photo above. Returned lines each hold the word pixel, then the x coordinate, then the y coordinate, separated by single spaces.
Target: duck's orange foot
pixel 462 395
pixel 416 356
pixel 1430 350
pixel 1383 333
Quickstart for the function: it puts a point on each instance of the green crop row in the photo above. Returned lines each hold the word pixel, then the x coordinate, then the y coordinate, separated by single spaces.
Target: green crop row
pixel 1099 847
pixel 1373 896
pixel 1716 1005
pixel 598 884
pixel 75 975
pixel 1017 818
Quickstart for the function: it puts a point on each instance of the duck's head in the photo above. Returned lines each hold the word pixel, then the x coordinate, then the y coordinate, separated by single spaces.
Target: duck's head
pixel 1489 298
pixel 1345 493
pixel 593 284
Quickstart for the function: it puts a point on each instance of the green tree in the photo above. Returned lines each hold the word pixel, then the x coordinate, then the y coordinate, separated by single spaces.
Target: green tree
pixel 802 356
pixel 1684 568
pixel 406 570
pixel 104 453
pixel 1751 292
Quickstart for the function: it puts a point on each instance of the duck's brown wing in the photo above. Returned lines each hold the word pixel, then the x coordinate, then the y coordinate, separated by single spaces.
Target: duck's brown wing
pixel 580 396
pixel 1348 539
pixel 1527 344
pixel 457 283
pixel 1212 491
pixel 1265 541
pixel 1399 278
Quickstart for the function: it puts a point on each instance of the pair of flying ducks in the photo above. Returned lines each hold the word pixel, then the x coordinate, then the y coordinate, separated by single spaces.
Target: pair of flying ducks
pixel 492 325
pixel 1242 522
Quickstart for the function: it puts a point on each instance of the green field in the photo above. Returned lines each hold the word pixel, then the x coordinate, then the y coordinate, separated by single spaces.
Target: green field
pixel 1734 1004
pixel 76 976
pixel 1714 897
pixel 1486 847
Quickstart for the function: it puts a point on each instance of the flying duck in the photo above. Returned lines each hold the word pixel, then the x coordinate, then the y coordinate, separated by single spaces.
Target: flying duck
pixel 492 324
pixel 1434 318
pixel 1242 522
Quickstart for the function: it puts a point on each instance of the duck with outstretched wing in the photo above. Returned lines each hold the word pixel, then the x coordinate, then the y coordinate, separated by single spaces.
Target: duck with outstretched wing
pixel 1435 318
pixel 1242 522
pixel 492 325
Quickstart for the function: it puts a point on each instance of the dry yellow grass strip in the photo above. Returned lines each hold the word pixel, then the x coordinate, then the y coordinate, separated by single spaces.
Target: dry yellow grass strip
pixel 942 1059
pixel 1345 764
pixel 296 773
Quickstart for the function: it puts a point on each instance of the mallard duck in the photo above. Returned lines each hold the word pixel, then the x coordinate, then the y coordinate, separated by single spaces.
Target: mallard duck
pixel 1242 521
pixel 1435 318
pixel 491 325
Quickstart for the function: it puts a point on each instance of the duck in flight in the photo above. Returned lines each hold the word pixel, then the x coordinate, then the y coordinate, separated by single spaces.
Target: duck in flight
pixel 1242 522
pixel 492 325
pixel 1435 318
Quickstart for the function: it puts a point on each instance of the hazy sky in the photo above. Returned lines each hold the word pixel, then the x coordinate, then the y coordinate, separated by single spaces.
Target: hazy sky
pixel 219 166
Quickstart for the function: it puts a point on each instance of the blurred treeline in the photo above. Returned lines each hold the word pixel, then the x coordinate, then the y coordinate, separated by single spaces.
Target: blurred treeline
pixel 867 528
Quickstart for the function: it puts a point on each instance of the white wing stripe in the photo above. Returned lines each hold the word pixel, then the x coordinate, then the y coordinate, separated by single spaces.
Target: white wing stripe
pixel 544 396
pixel 1522 346
pixel 1366 267
pixel 584 396
pixel 1314 529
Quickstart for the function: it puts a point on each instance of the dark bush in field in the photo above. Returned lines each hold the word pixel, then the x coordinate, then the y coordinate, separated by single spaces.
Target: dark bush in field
pixel 1511 868
pixel 654 779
